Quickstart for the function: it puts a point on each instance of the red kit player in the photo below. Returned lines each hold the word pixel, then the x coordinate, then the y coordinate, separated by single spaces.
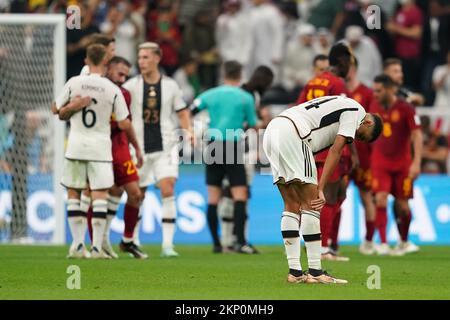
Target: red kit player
pixel 330 83
pixel 393 167
pixel 362 176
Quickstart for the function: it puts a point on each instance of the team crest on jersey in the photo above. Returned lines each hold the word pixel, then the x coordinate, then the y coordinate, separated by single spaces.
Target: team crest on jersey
pixel 152 99
pixel 358 98
pixel 395 116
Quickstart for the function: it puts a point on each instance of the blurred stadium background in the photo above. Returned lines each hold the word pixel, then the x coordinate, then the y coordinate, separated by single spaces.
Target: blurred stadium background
pixel 196 36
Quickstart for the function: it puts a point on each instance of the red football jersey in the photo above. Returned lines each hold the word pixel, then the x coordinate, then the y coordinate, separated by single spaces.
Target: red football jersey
pixel 363 95
pixel 392 150
pixel 120 147
pixel 325 84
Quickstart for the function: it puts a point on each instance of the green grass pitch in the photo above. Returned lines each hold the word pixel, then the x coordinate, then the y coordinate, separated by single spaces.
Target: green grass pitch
pixel 38 272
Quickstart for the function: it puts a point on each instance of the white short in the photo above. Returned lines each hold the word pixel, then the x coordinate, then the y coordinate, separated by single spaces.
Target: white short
pixel 291 158
pixel 80 174
pixel 159 165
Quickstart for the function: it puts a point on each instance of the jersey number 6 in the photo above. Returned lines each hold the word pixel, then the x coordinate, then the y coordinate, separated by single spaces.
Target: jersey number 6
pixel 93 116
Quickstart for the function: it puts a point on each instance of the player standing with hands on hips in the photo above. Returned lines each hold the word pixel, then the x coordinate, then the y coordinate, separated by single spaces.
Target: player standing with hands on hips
pixel 157 107
pixel 289 142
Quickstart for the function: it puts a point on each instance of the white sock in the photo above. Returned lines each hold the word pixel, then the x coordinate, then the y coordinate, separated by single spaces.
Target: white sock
pixel 225 211
pixel 290 227
pixel 135 239
pixel 311 235
pixel 85 203
pixel 113 205
pixel 100 208
pixel 169 213
pixel 75 220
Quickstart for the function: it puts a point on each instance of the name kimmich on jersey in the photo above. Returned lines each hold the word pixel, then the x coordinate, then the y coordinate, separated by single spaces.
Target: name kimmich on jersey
pixel 90 129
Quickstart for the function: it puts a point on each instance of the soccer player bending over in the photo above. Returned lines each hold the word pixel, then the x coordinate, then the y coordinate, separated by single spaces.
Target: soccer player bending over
pixel 290 141
pixel 88 159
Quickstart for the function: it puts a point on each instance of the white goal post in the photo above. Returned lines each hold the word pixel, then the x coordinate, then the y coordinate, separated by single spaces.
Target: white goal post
pixel 32 71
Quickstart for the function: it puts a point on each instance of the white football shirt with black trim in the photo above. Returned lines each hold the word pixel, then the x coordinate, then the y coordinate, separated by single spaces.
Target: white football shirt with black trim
pixel 320 120
pixel 90 129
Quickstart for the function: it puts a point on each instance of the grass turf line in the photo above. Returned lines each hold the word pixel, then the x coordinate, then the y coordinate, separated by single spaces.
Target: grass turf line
pixel 39 272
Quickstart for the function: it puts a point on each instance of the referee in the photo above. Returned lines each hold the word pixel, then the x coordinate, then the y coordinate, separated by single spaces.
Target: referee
pixel 230 109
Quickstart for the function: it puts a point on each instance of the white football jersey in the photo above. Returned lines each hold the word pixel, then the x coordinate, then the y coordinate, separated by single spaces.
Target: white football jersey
pixel 319 121
pixel 90 129
pixel 171 103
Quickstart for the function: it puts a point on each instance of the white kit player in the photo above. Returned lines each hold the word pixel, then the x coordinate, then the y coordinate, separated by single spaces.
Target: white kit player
pixel 157 108
pixel 88 158
pixel 290 141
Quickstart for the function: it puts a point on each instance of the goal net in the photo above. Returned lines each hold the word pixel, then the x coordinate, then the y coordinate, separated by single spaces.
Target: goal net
pixel 32 70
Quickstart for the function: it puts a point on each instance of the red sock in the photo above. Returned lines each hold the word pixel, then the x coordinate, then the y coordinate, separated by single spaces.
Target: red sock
pixel 89 222
pixel 405 221
pixel 370 230
pixel 131 215
pixel 326 220
pixel 381 223
pixel 335 226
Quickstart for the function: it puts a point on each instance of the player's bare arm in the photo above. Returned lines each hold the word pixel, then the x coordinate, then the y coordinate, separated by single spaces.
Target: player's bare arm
pixel 184 117
pixel 72 107
pixel 334 154
pixel 417 142
pixel 126 126
pixel 355 157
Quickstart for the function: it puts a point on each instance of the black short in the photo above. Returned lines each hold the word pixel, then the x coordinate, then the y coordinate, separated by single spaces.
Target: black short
pixel 225 159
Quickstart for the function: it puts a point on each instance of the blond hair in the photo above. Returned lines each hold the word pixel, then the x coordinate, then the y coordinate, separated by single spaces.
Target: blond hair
pixel 152 46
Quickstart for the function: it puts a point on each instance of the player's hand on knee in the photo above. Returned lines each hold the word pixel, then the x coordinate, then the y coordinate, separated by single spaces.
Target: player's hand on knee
pixel 318 203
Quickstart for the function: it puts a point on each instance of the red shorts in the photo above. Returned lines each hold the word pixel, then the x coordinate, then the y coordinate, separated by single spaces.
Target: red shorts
pixel 335 176
pixel 397 183
pixel 363 178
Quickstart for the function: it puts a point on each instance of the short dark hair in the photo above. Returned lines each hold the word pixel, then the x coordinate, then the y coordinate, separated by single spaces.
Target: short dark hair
pixel 377 128
pixel 338 52
pixel 385 80
pixel 100 38
pixel 118 59
pixel 232 69
pixel 391 61
pixel 96 53
pixel 319 57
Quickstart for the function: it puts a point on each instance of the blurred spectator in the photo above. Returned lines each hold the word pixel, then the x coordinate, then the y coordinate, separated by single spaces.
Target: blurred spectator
pixel 441 83
pixel 138 16
pixel 435 43
pixel 435 150
pixel 233 35
pixel 77 41
pixel 393 68
pixel 267 36
pixel 187 78
pixel 324 41
pixel 119 25
pixel 163 29
pixel 357 13
pixel 188 9
pixel 366 52
pixel 320 64
pixel 407 28
pixel 199 41
pixel 296 68
pixel 327 14
pixel 289 12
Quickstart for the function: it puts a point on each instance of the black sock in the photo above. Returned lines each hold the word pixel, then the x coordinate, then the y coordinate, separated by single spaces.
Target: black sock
pixel 213 223
pixel 240 216
pixel 315 272
pixel 295 273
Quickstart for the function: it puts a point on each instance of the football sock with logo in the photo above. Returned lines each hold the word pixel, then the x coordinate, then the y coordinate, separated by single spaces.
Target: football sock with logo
pixel 290 230
pixel 99 212
pixel 113 205
pixel 169 213
pixel 310 222
pixel 75 218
